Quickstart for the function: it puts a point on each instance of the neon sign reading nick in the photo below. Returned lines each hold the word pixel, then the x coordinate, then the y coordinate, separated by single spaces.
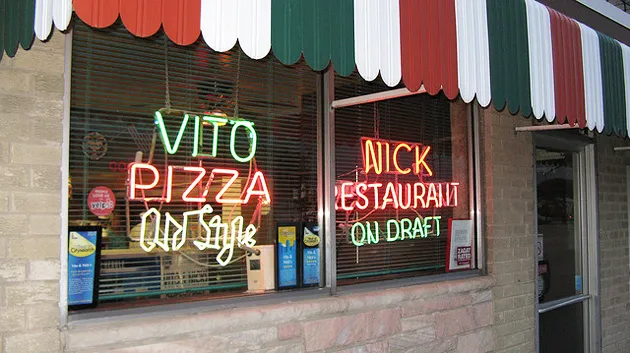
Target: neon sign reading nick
pixel 148 184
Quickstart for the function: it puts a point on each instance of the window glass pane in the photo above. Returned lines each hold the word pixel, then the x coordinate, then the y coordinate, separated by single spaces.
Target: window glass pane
pixel 253 156
pixel 403 173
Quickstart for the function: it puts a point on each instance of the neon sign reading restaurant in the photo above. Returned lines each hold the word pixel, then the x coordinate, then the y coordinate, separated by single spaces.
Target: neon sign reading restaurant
pixel 384 157
pixel 169 234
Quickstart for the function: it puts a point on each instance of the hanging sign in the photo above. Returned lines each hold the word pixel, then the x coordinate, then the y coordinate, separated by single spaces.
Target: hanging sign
pixel 459 244
pixel 101 201
pixel 84 249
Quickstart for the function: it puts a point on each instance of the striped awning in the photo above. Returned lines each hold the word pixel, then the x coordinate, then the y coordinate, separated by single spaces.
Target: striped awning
pixel 517 54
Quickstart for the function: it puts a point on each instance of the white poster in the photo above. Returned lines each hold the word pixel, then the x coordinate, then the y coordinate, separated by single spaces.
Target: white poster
pixel 459 244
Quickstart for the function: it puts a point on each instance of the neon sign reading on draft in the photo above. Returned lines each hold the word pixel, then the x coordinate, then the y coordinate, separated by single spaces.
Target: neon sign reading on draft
pixel 395 230
pixel 166 232
pixel 399 158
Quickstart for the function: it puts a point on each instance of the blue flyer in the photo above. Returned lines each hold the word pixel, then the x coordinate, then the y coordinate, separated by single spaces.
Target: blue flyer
pixel 82 256
pixel 311 266
pixel 287 256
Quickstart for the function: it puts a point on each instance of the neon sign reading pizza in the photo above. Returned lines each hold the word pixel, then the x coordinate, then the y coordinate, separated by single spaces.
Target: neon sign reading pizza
pixel 385 157
pixel 164 231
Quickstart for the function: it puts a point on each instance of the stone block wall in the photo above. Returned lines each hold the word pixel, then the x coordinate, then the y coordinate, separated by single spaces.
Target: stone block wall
pixel 453 316
pixel 31 110
pixel 508 206
pixel 613 244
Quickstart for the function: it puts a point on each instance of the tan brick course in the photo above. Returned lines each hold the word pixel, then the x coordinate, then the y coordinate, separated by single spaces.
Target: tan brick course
pixel 30 201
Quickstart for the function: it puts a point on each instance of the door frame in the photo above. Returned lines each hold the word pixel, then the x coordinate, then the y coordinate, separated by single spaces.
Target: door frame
pixel 587 187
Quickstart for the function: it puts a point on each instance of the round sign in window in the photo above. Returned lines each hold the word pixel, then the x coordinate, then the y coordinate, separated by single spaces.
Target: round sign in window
pixel 101 201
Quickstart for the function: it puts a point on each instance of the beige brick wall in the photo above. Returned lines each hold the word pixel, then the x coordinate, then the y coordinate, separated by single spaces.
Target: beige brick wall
pixel 31 110
pixel 507 184
pixel 613 244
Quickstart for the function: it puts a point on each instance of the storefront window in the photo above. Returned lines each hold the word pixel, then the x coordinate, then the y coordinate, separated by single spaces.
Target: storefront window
pixel 199 168
pixel 403 196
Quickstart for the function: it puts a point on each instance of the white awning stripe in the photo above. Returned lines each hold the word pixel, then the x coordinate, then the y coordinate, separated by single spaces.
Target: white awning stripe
pixel 224 22
pixel 473 57
pixel 377 40
pixel 48 12
pixel 593 90
pixel 540 60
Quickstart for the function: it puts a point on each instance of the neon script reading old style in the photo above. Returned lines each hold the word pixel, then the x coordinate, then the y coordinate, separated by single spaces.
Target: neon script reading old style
pixel 399 158
pixel 147 184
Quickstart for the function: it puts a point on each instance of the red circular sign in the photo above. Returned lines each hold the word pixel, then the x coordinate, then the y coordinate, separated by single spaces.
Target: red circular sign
pixel 101 201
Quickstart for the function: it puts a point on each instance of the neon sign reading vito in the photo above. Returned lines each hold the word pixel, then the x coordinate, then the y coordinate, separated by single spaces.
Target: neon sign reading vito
pixel 386 157
pixel 167 232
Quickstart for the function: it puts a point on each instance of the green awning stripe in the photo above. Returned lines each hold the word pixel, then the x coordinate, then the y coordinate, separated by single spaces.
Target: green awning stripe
pixel 613 86
pixel 17 19
pixel 509 55
pixel 2 11
pixel 342 36
pixel 26 29
pixel 10 27
pixel 322 30
pixel 286 30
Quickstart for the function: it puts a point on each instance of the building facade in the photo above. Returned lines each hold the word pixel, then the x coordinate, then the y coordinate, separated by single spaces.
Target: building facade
pixel 544 210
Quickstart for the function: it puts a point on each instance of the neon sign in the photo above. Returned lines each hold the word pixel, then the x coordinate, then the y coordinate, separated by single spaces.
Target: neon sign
pixel 166 232
pixel 385 157
pixel 370 232
pixel 382 156
pixel 376 196
pixel 216 122
pixel 170 234
pixel 256 187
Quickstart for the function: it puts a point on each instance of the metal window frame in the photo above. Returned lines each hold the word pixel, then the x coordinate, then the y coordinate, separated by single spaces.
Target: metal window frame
pixel 326 214
pixel 473 112
pixel 587 179
pixel 65 174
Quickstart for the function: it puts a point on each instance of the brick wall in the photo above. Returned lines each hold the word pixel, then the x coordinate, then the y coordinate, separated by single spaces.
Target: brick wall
pixel 454 316
pixel 613 244
pixel 31 93
pixel 507 187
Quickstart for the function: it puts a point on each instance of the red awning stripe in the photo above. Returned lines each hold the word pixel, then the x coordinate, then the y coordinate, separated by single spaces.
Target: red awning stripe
pixel 180 18
pixel 143 18
pixel 568 69
pixel 97 13
pixel 428 40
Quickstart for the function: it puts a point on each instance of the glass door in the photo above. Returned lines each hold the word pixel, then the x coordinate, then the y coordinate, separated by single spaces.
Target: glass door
pixel 560 248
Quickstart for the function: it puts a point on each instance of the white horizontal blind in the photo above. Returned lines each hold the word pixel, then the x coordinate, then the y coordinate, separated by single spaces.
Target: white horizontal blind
pixel 418 119
pixel 118 82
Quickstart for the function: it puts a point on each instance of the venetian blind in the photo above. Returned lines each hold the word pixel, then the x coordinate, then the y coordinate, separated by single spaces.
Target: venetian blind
pixel 118 82
pixel 418 120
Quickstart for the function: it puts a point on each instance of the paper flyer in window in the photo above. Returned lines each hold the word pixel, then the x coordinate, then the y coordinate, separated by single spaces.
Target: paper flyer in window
pixel 459 244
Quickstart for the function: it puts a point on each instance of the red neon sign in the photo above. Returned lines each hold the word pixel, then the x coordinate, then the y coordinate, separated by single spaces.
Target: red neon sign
pixel 382 156
pixel 351 195
pixel 139 172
